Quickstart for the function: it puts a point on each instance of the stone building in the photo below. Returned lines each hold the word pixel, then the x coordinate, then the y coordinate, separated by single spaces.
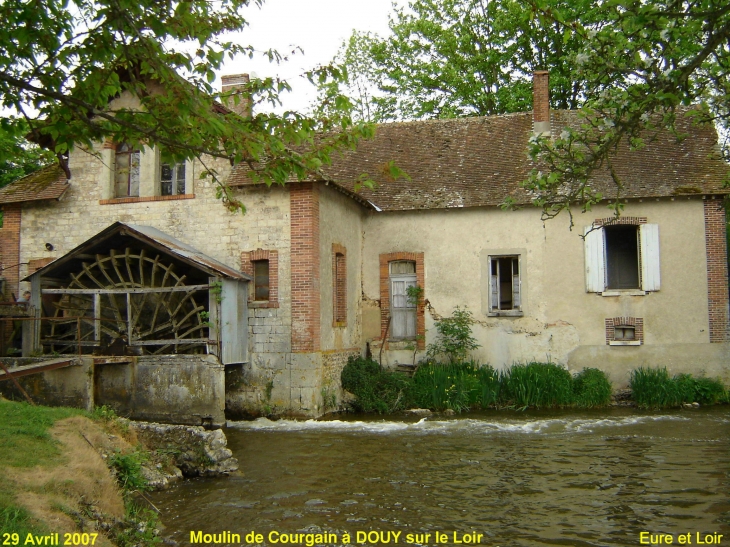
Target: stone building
pixel 329 267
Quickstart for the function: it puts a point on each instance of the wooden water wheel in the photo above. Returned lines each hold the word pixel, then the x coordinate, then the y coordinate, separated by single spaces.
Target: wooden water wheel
pixel 129 299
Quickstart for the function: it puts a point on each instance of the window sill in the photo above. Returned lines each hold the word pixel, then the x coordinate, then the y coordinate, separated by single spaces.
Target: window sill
pixel 145 199
pixel 506 313
pixel 262 304
pixel 340 324
pixel 625 343
pixel 624 292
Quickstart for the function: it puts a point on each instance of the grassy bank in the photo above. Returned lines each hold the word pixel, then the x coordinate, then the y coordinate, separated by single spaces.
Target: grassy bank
pixel 463 386
pixel 56 480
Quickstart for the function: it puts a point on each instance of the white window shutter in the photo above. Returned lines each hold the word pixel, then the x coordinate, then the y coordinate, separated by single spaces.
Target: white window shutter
pixel 649 245
pixel 595 259
pixel 494 290
pixel 516 284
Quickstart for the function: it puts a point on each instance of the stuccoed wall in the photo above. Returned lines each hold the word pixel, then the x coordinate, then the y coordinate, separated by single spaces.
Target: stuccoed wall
pixel 561 322
pixel 70 386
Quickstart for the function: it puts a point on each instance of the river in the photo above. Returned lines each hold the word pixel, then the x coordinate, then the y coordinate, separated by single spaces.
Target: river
pixel 517 479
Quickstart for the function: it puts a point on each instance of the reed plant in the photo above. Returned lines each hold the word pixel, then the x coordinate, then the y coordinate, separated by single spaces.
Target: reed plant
pixel 455 386
pixel 539 385
pixel 654 388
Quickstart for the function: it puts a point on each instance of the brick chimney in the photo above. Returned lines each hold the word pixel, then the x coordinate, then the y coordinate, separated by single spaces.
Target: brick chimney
pixel 236 84
pixel 541 103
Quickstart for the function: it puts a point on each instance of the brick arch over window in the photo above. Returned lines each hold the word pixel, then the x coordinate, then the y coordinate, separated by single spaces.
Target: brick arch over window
pixel 625 221
pixel 247 266
pixel 385 260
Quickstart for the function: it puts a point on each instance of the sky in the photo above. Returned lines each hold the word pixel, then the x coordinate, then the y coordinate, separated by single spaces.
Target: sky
pixel 316 26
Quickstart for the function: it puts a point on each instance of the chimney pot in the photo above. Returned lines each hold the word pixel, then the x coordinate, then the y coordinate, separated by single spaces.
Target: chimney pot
pixel 541 103
pixel 236 84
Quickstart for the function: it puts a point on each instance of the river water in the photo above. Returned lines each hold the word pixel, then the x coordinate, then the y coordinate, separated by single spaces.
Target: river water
pixel 518 479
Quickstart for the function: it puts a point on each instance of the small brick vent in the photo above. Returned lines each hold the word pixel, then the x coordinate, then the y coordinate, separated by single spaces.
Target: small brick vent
pixel 247 260
pixel 616 325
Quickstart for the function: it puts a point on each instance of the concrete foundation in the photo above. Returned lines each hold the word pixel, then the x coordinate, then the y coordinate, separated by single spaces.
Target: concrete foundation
pixel 175 389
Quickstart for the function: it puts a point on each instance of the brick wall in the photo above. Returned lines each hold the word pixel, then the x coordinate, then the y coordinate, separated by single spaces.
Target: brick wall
pixel 385 259
pixel 717 270
pixel 305 258
pixel 10 249
pixel 541 96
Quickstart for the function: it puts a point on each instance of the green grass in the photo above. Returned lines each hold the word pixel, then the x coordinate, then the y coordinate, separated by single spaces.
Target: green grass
pixel 455 386
pixel 24 432
pixel 375 389
pixel 25 442
pixel 654 388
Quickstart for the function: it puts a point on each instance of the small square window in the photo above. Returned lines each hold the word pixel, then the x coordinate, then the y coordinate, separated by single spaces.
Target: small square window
pixel 624 333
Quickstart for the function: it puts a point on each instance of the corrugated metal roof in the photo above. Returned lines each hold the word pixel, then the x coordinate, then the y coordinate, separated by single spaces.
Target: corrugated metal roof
pixel 156 238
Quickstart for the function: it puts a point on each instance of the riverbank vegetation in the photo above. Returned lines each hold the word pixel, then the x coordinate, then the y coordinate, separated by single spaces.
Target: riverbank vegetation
pixel 654 388
pixel 467 385
pixel 56 478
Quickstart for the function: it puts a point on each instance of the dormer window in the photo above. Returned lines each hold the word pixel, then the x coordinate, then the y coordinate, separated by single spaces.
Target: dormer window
pixel 126 171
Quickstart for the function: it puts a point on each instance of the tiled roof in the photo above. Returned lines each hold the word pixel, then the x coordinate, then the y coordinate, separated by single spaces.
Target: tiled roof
pixel 470 162
pixel 47 183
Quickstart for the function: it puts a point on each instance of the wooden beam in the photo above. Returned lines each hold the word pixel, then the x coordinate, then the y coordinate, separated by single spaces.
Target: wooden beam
pixel 181 288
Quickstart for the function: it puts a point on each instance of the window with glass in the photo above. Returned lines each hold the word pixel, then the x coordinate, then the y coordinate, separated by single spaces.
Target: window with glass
pixel 126 171
pixel 402 307
pixel 172 178
pixel 261 280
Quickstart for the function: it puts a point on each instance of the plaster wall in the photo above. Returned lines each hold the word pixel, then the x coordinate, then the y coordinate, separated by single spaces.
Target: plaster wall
pixel 560 318
pixel 341 223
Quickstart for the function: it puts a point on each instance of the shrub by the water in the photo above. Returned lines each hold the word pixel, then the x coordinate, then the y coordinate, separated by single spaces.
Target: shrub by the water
pixel 591 388
pixel 375 389
pixel 654 388
pixel 455 386
pixel 539 385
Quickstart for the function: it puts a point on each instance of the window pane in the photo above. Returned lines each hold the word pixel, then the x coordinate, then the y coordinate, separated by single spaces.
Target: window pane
pixel 261 279
pixel 403 267
pixel 166 174
pixel 180 176
pixel 134 161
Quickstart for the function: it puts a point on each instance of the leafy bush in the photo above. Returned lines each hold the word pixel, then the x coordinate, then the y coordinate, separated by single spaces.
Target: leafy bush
pixel 710 391
pixel 536 385
pixel 375 389
pixel 128 470
pixel 591 388
pixel 653 388
pixel 454 337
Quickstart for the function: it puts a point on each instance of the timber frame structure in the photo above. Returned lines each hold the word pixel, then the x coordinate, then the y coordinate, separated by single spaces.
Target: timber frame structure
pixel 135 290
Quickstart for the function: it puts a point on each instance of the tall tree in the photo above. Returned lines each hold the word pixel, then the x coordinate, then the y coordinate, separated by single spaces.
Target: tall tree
pixel 640 65
pixel 448 58
pixel 63 61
